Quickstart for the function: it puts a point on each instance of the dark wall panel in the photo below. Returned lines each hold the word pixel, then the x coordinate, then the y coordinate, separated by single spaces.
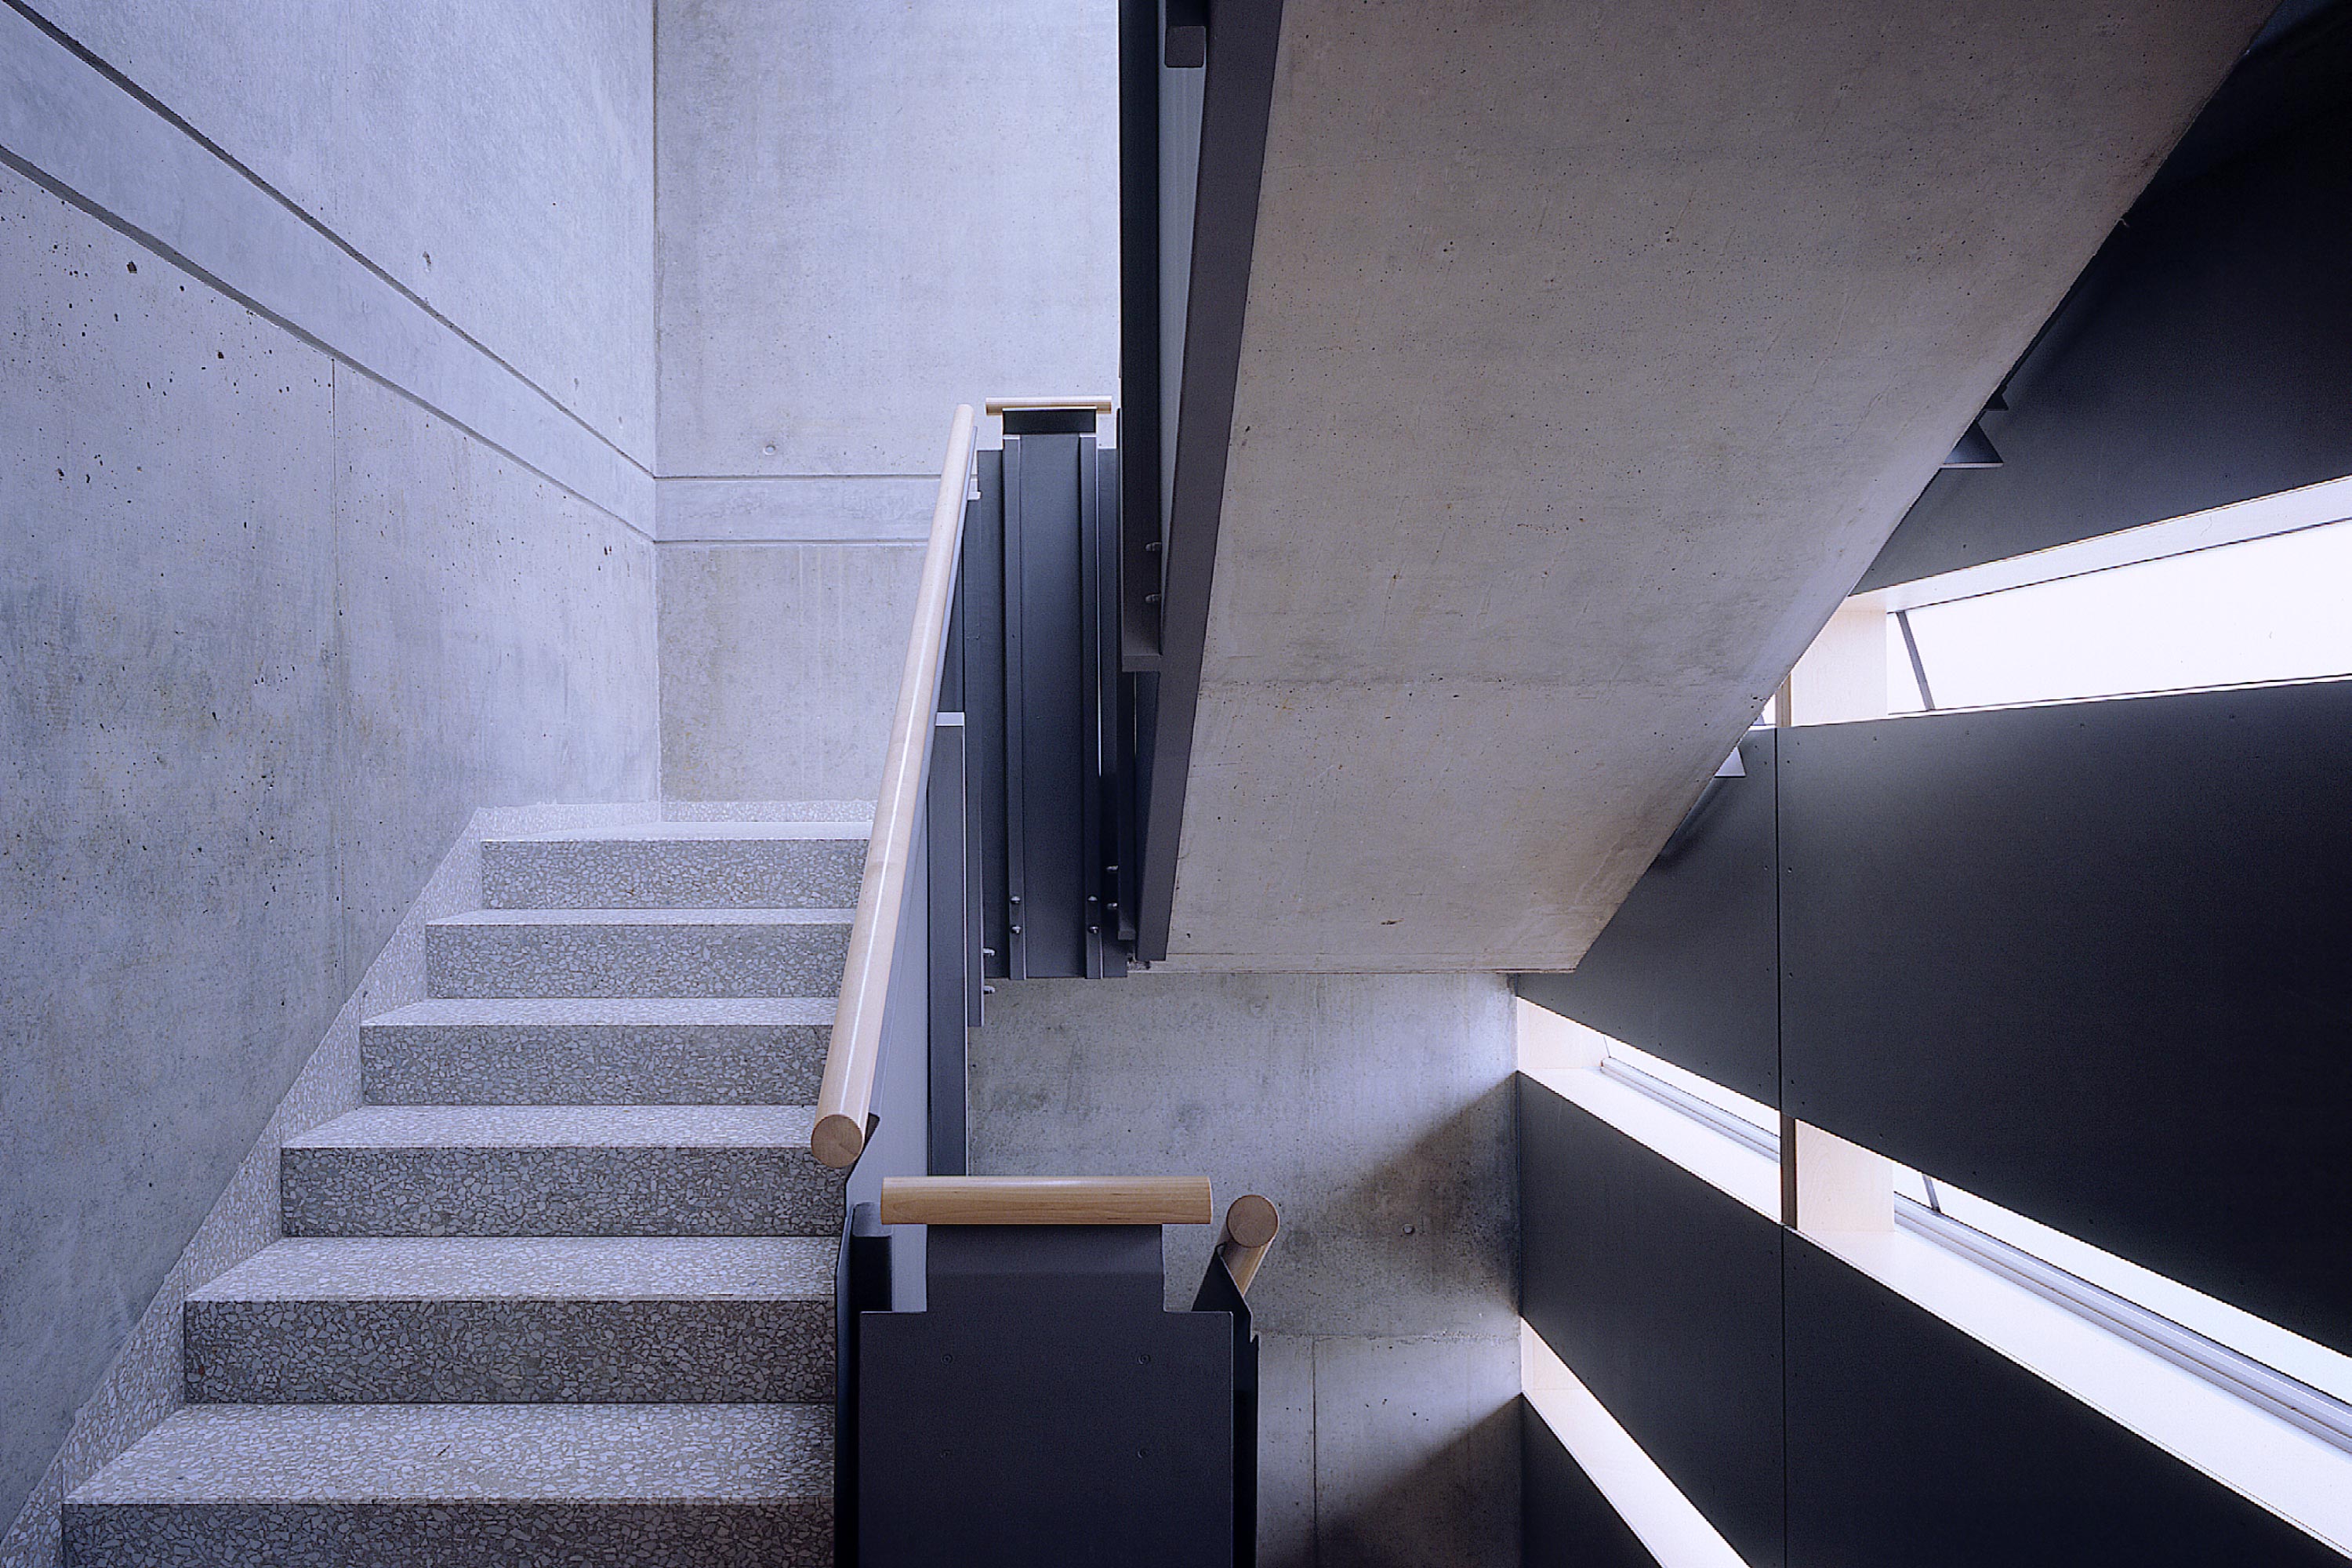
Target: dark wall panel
pixel 1664 1295
pixel 1685 969
pixel 2093 963
pixel 1564 1521
pixel 2200 360
pixel 1911 1444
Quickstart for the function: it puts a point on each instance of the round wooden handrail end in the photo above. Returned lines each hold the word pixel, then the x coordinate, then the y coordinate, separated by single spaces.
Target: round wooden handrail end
pixel 838 1141
pixel 1251 1220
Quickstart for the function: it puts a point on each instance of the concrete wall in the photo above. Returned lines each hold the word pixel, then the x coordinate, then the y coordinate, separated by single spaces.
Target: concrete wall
pixel 1376 1111
pixel 491 159
pixel 868 213
pixel 298 565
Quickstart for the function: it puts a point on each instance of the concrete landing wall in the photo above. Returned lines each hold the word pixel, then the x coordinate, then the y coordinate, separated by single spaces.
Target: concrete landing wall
pixel 491 159
pixel 1376 1112
pixel 780 666
pixel 305 554
pixel 868 213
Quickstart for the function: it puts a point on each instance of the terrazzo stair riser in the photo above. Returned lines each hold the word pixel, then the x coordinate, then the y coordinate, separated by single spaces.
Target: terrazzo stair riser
pixel 509 1351
pixel 560 1191
pixel 678 1486
pixel 595 1052
pixel 651 952
pixel 803 871
pixel 423 1533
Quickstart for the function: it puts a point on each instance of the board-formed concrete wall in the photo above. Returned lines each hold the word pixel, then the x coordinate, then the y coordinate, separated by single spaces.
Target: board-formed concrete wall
pixel 309 547
pixel 868 213
pixel 1376 1111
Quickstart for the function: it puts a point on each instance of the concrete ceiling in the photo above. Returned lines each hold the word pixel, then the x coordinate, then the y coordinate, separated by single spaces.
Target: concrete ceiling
pixel 1591 352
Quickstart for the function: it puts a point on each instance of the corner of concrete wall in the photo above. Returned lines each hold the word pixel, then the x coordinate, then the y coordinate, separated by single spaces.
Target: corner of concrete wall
pixel 867 214
pixel 1377 1112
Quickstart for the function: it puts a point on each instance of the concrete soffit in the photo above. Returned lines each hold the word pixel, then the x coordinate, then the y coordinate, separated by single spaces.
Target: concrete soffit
pixel 1591 354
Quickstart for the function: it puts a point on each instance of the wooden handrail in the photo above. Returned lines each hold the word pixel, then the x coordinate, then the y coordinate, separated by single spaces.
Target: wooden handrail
pixel 1250 1227
pixel 847 1097
pixel 1100 402
pixel 1046 1200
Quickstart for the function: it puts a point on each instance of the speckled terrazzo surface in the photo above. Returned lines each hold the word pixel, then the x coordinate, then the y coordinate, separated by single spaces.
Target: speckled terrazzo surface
pixel 857 811
pixel 571 1319
pixel 683 1268
pixel 462 1453
pixel 552 1126
pixel 568 1297
pixel 795 1535
pixel 558 1191
pixel 611 1012
pixel 638 952
pixel 720 1050
pixel 551 1171
pixel 702 865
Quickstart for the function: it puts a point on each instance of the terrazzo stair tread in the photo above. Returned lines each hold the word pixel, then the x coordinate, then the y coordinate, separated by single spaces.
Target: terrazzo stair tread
pixel 859 830
pixel 672 952
pixel 717 1050
pixel 767 811
pixel 576 1320
pixel 432 1268
pixel 544 1171
pixel 455 1486
pixel 663 865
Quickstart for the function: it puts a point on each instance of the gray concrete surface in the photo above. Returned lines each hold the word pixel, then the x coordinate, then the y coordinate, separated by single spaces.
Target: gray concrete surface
pixel 1375 1112
pixel 495 160
pixel 829 508
pixel 780 665
pixel 86 136
pixel 1591 354
pixel 870 214
pixel 270 633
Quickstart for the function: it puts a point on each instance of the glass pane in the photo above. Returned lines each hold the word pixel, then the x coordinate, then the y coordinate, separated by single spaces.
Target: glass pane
pixel 2268 609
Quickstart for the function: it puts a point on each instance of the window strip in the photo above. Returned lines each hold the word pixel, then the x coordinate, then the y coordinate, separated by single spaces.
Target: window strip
pixel 1736 1128
pixel 2233 1372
